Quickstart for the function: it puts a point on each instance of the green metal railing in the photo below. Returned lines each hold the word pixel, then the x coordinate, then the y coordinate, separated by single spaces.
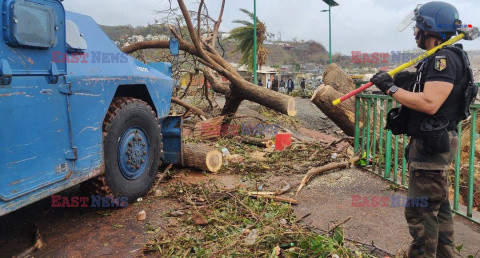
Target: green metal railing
pixel 383 153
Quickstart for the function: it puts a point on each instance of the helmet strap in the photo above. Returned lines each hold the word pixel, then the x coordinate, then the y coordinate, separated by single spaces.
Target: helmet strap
pixel 423 38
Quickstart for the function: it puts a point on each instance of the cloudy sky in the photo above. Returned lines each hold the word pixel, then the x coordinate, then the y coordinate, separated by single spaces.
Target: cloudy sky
pixel 357 25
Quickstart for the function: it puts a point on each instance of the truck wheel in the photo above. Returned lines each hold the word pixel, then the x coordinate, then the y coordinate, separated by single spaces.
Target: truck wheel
pixel 132 149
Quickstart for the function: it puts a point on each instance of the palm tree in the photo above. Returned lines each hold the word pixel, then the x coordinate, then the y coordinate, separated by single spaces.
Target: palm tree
pixel 244 38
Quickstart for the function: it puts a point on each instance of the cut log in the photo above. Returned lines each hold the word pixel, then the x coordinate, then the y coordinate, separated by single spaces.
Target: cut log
pixel 256 141
pixel 342 115
pixel 209 129
pixel 338 79
pixel 202 157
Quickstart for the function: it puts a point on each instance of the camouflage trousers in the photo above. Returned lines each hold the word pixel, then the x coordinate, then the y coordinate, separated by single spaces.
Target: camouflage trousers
pixel 431 227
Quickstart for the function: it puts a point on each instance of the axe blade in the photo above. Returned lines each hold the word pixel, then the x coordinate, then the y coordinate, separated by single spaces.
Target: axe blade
pixel 470 33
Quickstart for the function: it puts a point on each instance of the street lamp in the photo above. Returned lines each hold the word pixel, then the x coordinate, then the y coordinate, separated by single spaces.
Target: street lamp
pixel 330 4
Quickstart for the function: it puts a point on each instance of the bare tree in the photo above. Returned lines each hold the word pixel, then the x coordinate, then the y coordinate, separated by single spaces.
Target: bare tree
pixel 200 42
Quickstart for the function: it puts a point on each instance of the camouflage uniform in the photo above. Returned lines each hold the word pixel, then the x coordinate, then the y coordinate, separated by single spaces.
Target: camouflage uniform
pixel 431 227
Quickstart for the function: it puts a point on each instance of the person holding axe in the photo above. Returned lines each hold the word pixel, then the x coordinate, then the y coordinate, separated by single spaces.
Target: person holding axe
pixel 434 100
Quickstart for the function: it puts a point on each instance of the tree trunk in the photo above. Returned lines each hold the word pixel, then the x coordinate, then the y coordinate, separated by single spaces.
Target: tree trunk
pixel 202 157
pixel 217 85
pixel 268 98
pixel 231 106
pixel 342 115
pixel 232 103
pixel 241 88
pixel 338 79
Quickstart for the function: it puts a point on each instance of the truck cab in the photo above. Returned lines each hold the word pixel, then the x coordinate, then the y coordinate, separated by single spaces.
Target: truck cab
pixel 73 107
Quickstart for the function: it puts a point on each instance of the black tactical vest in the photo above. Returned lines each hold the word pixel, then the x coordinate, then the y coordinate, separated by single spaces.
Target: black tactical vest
pixel 453 105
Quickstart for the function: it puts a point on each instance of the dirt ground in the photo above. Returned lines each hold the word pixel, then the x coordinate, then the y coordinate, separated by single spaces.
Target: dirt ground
pixel 327 199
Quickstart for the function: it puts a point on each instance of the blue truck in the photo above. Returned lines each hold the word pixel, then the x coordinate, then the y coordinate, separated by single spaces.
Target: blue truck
pixel 73 107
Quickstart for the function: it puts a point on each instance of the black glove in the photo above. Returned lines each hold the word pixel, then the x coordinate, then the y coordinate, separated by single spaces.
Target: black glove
pixel 383 81
pixel 404 80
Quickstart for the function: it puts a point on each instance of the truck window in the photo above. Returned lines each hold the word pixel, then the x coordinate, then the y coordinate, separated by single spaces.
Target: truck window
pixel 75 40
pixel 31 25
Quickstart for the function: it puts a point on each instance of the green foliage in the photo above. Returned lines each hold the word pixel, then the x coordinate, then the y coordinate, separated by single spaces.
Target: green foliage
pixel 239 225
pixel 243 37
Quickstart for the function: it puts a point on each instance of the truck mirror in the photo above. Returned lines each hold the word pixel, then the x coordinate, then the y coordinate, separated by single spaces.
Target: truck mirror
pixel 174 47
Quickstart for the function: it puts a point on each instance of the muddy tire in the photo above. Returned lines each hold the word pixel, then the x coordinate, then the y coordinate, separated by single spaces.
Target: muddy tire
pixel 132 149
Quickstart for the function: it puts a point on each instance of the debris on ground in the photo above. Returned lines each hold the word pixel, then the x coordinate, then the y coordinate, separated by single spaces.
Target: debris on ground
pixel 239 225
pixel 38 245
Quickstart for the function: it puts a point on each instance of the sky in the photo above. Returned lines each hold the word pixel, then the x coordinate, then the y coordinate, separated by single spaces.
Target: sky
pixel 357 25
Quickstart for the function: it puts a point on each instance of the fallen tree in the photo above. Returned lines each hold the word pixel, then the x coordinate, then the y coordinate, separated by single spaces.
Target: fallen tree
pixel 204 48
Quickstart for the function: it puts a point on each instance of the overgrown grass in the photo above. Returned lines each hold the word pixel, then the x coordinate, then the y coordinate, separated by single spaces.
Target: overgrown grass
pixel 235 224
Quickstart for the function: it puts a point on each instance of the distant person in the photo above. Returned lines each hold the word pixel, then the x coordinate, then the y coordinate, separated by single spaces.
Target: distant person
pixel 275 84
pixel 269 84
pixel 260 83
pixel 290 85
pixel 302 84
pixel 282 85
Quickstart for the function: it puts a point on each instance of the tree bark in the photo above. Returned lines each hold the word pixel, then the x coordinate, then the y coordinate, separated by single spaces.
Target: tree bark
pixel 338 79
pixel 342 115
pixel 184 104
pixel 231 106
pixel 241 88
pixel 202 157
pixel 268 98
pixel 217 85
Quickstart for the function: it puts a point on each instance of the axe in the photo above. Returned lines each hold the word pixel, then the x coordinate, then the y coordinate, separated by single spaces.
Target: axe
pixel 464 33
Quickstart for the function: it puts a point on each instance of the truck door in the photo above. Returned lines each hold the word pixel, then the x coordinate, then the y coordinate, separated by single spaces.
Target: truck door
pixel 35 146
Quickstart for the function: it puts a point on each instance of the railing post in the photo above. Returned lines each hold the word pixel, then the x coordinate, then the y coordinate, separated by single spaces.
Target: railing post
pixel 374 144
pixel 357 125
pixel 388 146
pixel 381 150
pixel 471 162
pixel 367 151
pixel 457 168
pixel 404 160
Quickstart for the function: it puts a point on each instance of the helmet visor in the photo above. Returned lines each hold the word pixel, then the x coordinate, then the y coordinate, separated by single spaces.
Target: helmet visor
pixel 408 20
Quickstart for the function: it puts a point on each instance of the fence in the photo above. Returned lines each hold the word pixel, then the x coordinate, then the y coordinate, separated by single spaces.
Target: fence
pixel 383 153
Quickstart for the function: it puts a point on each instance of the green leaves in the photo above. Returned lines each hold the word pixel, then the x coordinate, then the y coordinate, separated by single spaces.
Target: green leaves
pixel 244 40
